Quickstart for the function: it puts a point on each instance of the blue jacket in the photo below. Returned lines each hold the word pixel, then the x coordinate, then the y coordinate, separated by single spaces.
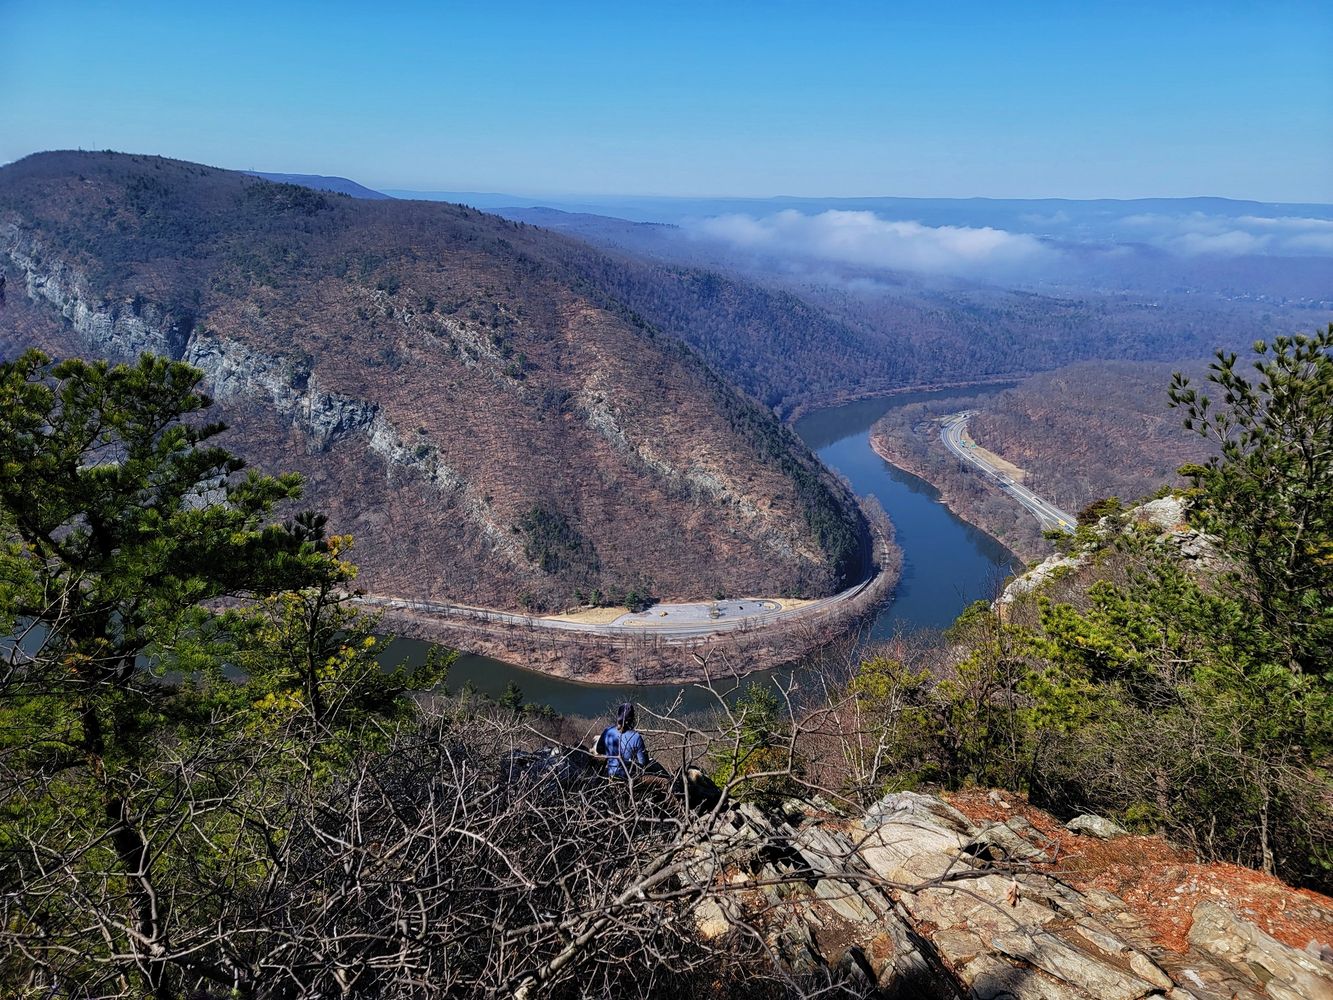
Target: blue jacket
pixel 624 749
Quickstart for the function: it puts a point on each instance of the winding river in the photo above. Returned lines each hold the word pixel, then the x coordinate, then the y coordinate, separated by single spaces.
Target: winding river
pixel 947 563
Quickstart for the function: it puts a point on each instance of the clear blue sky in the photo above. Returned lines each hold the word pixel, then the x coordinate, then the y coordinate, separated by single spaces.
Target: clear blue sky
pixel 1078 99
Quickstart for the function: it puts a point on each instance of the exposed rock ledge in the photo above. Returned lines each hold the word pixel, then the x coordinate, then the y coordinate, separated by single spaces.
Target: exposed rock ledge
pixel 915 900
pixel 1166 516
pixel 235 370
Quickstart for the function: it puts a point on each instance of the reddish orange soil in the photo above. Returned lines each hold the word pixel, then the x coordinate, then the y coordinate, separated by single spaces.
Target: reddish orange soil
pixel 1161 883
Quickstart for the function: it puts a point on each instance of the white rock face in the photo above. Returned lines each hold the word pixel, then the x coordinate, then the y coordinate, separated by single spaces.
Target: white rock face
pixel 234 370
pixel 118 329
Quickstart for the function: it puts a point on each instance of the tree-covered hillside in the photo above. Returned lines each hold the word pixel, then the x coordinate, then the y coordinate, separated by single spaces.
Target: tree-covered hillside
pixel 798 332
pixel 1079 434
pixel 1177 675
pixel 436 374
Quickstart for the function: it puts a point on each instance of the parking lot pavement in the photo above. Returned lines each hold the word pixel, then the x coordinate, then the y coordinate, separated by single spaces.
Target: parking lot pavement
pixel 699 613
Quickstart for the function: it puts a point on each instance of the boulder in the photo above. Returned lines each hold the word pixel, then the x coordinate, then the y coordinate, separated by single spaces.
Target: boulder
pixel 1165 513
pixel 1039 575
pixel 1095 826
pixel 915 807
pixel 713 918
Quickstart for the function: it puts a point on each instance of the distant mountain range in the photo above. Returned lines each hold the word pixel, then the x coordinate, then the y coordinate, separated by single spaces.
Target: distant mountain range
pixel 796 329
pixel 913 291
pixel 1091 218
pixel 491 424
pixel 338 185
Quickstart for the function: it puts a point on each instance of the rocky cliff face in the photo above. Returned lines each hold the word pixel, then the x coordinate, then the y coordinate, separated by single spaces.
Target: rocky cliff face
pixel 237 373
pixel 492 431
pixel 121 330
pixel 916 900
pixel 1165 517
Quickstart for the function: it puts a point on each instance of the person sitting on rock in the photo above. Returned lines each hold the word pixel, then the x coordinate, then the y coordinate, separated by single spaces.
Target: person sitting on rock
pixel 623 746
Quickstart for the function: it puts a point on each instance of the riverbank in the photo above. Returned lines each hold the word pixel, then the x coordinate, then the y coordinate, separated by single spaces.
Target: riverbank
pixel 909 439
pixel 647 658
pixel 946 564
pixel 957 500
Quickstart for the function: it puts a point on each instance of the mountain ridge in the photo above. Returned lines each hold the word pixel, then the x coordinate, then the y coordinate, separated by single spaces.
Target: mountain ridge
pixel 322 182
pixel 491 427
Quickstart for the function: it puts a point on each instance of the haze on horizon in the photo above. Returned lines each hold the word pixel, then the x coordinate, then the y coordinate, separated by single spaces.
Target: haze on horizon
pixel 689 99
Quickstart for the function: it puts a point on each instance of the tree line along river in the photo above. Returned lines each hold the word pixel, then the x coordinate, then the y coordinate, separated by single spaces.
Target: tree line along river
pixel 947 564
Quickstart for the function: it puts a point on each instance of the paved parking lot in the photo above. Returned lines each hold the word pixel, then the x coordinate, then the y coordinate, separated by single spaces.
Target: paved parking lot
pixel 698 614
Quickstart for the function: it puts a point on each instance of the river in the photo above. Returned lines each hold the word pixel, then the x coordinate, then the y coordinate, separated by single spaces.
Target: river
pixel 947 564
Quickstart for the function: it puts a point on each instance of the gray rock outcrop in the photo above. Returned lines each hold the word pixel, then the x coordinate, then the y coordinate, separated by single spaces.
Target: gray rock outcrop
pixel 1095 826
pixel 236 371
pixel 1281 972
pixel 1165 518
pixel 914 900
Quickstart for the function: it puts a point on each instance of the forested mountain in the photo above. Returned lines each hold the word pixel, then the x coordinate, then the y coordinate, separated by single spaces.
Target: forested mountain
pixel 1079 434
pixel 773 344
pixel 795 330
pixel 1092 430
pixel 455 389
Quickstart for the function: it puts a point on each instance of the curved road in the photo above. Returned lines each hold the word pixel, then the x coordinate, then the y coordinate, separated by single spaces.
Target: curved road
pixel 953 432
pixel 666 621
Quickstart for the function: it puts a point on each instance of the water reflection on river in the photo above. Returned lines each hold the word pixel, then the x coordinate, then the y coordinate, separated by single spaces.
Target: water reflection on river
pixel 947 564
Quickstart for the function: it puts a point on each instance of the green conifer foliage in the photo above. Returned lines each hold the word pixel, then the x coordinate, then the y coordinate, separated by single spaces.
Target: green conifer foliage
pixel 1268 495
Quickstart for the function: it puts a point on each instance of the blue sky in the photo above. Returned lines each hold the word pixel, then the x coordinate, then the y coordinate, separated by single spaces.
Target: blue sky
pixel 759 99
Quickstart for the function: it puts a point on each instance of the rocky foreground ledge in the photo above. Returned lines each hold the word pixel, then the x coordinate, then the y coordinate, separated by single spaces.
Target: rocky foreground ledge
pixel 916 900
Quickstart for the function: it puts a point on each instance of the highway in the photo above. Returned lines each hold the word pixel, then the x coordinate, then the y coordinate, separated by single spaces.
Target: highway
pixel 953 432
pixel 671 622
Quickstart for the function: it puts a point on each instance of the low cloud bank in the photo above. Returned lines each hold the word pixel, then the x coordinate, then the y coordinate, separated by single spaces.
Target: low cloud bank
pixel 818 240
pixel 1198 234
pixel 866 239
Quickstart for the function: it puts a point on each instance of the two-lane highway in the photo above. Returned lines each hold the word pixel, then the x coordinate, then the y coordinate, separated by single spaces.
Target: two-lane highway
pixel 953 432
